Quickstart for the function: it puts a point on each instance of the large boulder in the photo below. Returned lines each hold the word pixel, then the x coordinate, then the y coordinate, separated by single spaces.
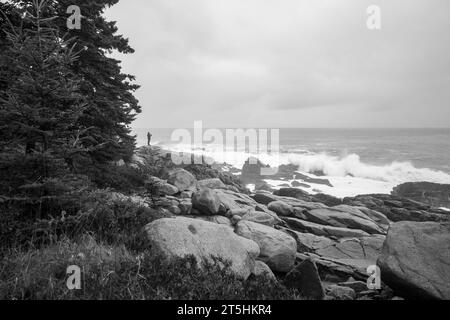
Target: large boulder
pixel 216 219
pixel 281 208
pixel 232 200
pixel 308 242
pixel 293 193
pixel 278 249
pixel 305 278
pixel 434 194
pixel 260 217
pixel 380 219
pixel 214 183
pixel 399 209
pixel 355 252
pixel 323 230
pixel 206 201
pixel 415 259
pixel 251 170
pixel 182 179
pixel 264 197
pixel 343 219
pixel 366 248
pixel 160 187
pixel 337 270
pixel 181 237
pixel 166 189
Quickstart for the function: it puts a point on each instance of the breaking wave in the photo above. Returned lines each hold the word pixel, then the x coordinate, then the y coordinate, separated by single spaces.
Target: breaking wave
pixel 352 166
pixel 349 166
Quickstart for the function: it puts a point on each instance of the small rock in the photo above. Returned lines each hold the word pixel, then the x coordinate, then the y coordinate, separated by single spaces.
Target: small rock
pixel 341 293
pixel 186 194
pixel 235 219
pixel 262 269
pixel 357 286
pixel 185 206
pixel 182 179
pixel 206 201
pixel 175 210
pixel 305 278
pixel 165 203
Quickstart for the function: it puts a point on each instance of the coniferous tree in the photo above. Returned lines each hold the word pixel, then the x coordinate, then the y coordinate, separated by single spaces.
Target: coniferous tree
pixel 109 93
pixel 40 110
pixel 42 105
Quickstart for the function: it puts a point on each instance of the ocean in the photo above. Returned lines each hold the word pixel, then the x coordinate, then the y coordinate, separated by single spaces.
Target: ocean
pixel 356 161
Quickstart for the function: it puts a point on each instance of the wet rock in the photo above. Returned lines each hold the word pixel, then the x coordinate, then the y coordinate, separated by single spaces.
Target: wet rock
pixel 293 193
pixel 433 194
pixel 264 197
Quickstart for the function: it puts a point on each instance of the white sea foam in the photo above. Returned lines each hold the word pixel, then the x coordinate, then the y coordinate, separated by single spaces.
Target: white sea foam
pixel 348 174
pixel 351 165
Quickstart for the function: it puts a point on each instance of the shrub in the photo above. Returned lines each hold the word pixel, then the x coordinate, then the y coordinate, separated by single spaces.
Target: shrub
pixel 112 272
pixel 111 217
pixel 121 178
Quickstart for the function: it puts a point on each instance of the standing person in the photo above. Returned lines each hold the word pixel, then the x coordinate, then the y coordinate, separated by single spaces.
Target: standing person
pixel 149 137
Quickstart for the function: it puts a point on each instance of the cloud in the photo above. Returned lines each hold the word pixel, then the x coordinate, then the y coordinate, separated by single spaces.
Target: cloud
pixel 250 62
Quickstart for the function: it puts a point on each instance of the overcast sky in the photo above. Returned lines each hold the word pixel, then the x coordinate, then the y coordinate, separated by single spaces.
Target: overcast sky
pixel 288 63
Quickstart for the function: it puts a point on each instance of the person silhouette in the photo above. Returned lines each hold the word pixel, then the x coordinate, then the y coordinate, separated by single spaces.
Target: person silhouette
pixel 149 137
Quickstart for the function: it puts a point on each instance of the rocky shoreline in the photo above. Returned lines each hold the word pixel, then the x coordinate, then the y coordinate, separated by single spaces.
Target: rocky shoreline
pixel 315 243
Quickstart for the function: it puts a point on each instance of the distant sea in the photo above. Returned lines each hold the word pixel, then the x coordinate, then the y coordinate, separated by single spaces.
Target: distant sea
pixel 356 161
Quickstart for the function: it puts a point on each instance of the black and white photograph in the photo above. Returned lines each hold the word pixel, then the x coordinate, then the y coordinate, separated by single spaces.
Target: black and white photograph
pixel 238 152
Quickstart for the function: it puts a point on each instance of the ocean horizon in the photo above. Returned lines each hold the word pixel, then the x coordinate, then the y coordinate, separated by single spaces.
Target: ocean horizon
pixel 356 161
